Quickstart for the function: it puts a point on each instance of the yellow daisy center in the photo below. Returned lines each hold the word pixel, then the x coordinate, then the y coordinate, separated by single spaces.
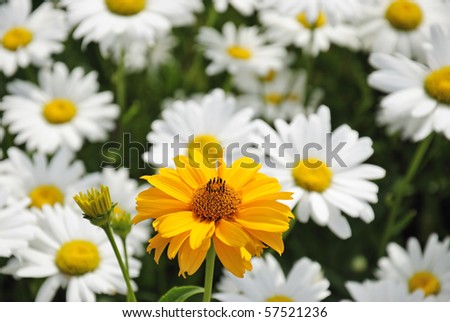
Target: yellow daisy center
pixel 313 175
pixel 320 21
pixel 437 85
pixel 125 7
pixel 270 76
pixel 77 257
pixel 425 281
pixel 273 98
pixel 59 111
pixel 239 52
pixel 215 200
pixel 207 145
pixel 404 15
pixel 46 195
pixel 279 298
pixel 17 37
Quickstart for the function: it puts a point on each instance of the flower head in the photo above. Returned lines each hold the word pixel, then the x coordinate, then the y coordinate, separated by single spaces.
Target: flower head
pixel 96 205
pixel 233 209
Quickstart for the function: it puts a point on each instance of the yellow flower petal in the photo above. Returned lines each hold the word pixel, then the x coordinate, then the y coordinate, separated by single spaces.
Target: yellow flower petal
pixel 231 234
pixel 158 244
pixel 241 172
pixel 174 224
pixel 200 231
pixel 190 259
pixel 171 184
pixel 273 240
pixel 175 244
pixel 231 258
pixel 259 219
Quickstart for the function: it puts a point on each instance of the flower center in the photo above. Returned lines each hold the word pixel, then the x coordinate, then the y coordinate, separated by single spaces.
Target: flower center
pixel 46 195
pixel 312 175
pixel 59 110
pixel 215 201
pixel 77 257
pixel 404 15
pixel 239 52
pixel 16 37
pixel 279 298
pixel 320 22
pixel 125 7
pixel 270 76
pixel 425 281
pixel 208 145
pixel 437 85
pixel 273 98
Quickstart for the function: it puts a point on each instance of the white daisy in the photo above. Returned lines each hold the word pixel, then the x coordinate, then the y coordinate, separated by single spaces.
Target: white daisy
pixel 428 270
pixel 383 291
pixel 208 125
pixel 63 110
pixel 136 20
pixel 401 26
pixel 277 95
pixel 17 224
pixel 29 37
pixel 124 191
pixel 44 182
pixel 418 100
pixel 324 169
pixel 291 26
pixel 240 48
pixel 244 7
pixel 266 282
pixel 2 136
pixel 71 253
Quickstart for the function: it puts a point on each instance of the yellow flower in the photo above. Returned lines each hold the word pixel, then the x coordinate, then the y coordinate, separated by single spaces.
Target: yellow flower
pixel 96 205
pixel 233 208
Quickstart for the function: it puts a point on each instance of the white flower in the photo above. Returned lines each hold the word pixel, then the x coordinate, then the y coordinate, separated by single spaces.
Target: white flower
pixel 291 26
pixel 73 254
pixel 124 191
pixel 266 282
pixel 383 291
pixel 206 125
pixel 134 20
pixel 62 111
pixel 29 37
pixel 240 48
pixel 17 224
pixel 277 95
pixel 418 100
pixel 401 26
pixel 44 182
pixel 324 169
pixel 2 137
pixel 244 7
pixel 428 270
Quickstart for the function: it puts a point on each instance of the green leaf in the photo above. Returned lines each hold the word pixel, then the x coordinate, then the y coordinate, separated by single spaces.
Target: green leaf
pixel 180 293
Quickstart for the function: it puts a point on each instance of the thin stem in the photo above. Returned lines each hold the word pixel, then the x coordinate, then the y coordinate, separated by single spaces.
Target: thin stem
pixel 125 254
pixel 130 296
pixel 401 189
pixel 120 82
pixel 209 274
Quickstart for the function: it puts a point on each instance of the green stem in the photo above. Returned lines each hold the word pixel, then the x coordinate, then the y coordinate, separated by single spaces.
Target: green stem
pixel 130 296
pixel 120 82
pixel 209 274
pixel 125 254
pixel 401 190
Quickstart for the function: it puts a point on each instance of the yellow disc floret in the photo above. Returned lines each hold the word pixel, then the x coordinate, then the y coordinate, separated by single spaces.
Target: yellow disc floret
pixel 320 21
pixel 405 15
pixel 215 201
pixel 425 281
pixel 59 111
pixel 239 52
pixel 77 257
pixel 16 38
pixel 312 175
pixel 125 7
pixel 279 298
pixel 46 195
pixel 437 85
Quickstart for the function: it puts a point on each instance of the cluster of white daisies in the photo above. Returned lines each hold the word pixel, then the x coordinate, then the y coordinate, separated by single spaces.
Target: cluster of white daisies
pixel 43 232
